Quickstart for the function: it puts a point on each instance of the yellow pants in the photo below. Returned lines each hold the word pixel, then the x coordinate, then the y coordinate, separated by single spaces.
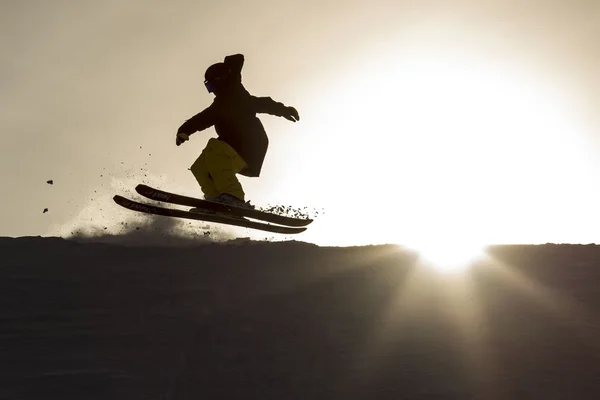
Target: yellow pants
pixel 216 169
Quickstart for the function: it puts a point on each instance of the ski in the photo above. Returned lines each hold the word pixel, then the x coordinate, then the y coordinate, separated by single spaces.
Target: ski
pixel 222 219
pixel 167 197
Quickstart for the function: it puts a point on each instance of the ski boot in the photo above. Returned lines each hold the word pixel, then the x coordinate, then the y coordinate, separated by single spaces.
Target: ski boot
pixel 226 199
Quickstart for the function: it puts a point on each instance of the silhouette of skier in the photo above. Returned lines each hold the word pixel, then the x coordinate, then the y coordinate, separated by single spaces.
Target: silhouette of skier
pixel 242 142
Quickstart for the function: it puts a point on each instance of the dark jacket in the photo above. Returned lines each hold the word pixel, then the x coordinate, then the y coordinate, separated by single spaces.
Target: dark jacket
pixel 233 114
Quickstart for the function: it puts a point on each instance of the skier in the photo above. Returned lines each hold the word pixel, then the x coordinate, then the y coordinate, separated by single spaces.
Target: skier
pixel 242 142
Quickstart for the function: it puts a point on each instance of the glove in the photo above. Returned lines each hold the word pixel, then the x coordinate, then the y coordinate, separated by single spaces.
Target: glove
pixel 291 114
pixel 181 137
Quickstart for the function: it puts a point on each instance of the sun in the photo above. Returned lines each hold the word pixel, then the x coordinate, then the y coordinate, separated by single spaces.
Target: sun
pixel 448 256
pixel 440 142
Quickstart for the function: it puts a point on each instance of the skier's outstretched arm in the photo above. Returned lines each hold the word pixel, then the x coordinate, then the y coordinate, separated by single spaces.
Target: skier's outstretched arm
pixel 267 105
pixel 199 122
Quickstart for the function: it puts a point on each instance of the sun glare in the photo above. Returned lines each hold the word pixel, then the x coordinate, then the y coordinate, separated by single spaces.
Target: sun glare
pixel 453 139
pixel 448 256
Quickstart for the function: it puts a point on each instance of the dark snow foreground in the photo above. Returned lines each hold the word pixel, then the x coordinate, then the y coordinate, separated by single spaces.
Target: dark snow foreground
pixel 294 321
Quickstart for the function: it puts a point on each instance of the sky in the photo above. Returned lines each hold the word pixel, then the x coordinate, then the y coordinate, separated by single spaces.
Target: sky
pixel 420 121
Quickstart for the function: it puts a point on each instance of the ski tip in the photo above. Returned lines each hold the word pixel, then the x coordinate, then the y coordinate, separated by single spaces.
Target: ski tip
pixel 144 189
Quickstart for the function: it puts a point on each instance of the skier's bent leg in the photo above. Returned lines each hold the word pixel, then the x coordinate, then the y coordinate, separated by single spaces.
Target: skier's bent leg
pixel 223 163
pixel 200 171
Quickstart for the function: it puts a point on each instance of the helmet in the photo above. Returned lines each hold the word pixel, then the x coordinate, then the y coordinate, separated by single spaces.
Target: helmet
pixel 216 76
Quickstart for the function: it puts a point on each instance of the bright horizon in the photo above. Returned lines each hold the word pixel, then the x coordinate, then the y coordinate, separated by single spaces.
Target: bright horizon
pixel 475 125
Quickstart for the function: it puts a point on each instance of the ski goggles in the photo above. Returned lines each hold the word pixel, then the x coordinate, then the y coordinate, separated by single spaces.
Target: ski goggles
pixel 210 86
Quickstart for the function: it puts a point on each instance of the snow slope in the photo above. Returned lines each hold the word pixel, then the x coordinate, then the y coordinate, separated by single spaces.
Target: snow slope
pixel 290 320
